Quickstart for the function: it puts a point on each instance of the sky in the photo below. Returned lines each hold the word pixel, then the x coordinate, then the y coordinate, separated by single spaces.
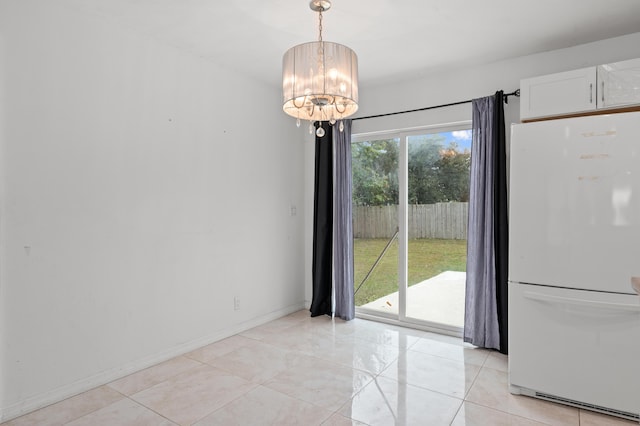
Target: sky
pixel 461 137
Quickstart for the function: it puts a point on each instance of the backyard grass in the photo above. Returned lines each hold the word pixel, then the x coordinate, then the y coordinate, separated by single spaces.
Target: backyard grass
pixel 427 258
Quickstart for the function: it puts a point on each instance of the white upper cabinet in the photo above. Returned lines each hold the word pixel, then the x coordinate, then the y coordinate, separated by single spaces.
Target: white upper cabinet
pixel 619 84
pixel 557 94
pixel 608 86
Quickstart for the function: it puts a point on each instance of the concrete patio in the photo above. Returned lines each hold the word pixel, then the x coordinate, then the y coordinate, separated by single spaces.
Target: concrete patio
pixel 439 299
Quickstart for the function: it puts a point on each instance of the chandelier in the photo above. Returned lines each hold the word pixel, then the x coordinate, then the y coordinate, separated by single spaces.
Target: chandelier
pixel 320 79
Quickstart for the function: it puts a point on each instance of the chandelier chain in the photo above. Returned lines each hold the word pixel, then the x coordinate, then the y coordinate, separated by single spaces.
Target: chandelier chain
pixel 320 45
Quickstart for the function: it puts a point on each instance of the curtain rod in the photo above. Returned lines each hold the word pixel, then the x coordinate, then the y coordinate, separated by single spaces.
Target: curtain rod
pixel 515 93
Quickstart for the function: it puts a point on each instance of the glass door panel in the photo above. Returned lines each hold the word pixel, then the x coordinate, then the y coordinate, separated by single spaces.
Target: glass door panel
pixel 437 210
pixel 375 225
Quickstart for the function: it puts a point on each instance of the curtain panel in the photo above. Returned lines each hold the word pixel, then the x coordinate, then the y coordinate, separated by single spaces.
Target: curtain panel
pixel 322 269
pixel 486 319
pixel 332 268
pixel 501 222
pixel 343 225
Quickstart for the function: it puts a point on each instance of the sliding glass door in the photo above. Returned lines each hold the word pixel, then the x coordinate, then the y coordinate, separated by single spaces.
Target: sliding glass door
pixel 410 218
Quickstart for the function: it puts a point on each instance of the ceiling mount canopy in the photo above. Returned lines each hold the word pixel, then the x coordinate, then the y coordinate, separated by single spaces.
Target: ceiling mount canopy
pixel 320 5
pixel 320 78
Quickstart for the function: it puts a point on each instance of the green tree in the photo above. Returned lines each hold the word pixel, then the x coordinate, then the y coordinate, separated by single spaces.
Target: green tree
pixel 424 154
pixel 375 172
pixel 454 167
pixel 436 173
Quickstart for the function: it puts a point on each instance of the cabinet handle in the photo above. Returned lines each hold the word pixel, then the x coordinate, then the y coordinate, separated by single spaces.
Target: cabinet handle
pixel 603 93
pixel 611 307
pixel 591 93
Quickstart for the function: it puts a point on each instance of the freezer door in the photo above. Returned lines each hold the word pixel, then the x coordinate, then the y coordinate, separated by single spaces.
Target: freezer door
pixel 578 345
pixel 574 196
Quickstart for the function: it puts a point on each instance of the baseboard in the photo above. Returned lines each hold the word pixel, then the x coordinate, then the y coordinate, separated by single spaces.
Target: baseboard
pixel 67 391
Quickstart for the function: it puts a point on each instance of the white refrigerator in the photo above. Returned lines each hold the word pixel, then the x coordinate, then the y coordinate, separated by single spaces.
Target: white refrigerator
pixel 574 262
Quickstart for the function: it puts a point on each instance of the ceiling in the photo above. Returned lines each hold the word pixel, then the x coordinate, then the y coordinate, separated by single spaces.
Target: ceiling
pixel 393 38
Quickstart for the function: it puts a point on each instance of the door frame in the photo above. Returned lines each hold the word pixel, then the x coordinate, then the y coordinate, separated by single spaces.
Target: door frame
pixel 403 227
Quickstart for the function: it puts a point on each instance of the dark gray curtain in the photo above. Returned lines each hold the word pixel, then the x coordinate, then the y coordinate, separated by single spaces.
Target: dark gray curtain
pixel 321 269
pixel 343 224
pixel 485 323
pixel 501 222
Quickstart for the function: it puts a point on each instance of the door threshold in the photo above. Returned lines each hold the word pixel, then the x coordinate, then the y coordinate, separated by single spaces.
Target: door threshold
pixel 415 324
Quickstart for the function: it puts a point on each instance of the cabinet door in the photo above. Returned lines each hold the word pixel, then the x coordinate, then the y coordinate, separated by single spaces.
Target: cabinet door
pixel 619 84
pixel 558 94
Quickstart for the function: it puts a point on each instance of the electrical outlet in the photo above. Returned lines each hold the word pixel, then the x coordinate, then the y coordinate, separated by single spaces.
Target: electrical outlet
pixel 236 303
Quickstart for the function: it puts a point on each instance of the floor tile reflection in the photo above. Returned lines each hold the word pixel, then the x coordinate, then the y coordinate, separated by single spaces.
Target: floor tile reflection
pixel 388 402
pixel 435 373
pixel 299 370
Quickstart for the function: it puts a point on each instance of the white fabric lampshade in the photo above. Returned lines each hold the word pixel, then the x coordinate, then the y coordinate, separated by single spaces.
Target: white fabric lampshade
pixel 320 81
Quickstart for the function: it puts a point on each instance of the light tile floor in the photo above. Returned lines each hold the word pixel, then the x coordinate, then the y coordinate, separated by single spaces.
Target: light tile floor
pixel 299 370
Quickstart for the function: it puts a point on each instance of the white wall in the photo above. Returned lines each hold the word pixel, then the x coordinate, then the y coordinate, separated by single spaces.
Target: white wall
pixel 468 83
pixel 475 82
pixel 136 203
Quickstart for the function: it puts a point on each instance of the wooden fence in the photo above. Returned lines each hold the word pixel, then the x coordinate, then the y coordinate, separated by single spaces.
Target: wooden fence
pixel 440 220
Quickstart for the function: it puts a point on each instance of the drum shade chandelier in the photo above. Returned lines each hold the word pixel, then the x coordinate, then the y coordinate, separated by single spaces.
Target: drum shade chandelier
pixel 320 79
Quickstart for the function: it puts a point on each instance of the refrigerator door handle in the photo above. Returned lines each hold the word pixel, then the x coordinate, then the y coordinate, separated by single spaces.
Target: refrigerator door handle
pixel 635 284
pixel 620 308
